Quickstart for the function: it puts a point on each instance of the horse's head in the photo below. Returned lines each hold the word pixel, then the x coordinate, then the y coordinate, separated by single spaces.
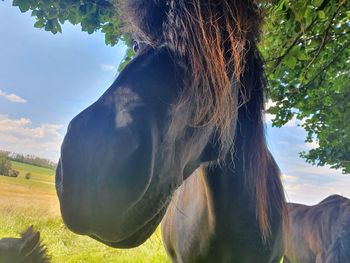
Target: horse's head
pixel 25 249
pixel 123 157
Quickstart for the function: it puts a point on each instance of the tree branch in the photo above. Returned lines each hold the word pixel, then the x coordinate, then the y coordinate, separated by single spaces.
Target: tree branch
pixel 300 34
pixel 338 53
pixel 324 39
pixel 297 38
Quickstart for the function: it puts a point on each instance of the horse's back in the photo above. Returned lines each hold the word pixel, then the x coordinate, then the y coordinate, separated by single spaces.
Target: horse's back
pixel 334 198
pixel 329 209
pixel 314 230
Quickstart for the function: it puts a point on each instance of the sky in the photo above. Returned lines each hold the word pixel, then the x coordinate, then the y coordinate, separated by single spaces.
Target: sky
pixel 46 79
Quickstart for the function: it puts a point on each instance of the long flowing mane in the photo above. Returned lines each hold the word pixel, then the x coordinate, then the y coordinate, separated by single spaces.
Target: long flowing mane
pixel 216 40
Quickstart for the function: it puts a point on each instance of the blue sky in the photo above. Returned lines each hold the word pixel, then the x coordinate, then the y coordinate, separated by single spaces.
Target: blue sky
pixel 45 80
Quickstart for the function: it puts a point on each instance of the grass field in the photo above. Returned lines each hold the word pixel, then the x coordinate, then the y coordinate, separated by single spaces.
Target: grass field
pixel 33 202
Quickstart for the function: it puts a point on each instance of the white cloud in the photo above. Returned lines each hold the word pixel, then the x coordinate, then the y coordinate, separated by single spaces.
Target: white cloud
pixel 308 190
pixel 12 97
pixel 108 67
pixel 269 104
pixel 312 145
pixel 310 184
pixel 289 178
pixel 18 135
pixel 268 118
pixel 303 182
pixel 294 122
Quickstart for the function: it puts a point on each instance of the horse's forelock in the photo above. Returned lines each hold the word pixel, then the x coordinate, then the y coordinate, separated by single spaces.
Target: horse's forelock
pixel 144 18
pixel 213 39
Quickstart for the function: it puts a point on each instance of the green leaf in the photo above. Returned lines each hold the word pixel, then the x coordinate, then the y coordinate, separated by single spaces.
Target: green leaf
pixel 317 3
pixel 57 25
pixel 290 61
pixel 302 56
pixel 82 9
pixel 40 14
pixel 74 18
pixel 62 19
pixel 49 26
pixel 23 5
pixel 39 24
pixel 52 13
pixel 321 14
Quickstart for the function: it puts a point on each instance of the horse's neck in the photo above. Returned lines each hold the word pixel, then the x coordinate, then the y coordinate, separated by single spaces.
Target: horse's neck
pixel 226 183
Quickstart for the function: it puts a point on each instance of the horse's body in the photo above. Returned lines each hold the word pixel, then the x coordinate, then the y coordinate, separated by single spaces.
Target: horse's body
pixel 175 109
pixel 209 220
pixel 319 233
pixel 26 249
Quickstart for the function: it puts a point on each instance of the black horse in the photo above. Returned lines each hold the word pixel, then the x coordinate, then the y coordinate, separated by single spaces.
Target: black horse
pixel 319 233
pixel 191 99
pixel 26 249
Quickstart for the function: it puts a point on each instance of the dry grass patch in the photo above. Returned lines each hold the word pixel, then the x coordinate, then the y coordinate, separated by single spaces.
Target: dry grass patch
pixel 34 202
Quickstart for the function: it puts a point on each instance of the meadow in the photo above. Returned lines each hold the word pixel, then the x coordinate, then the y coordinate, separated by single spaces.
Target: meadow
pixel 34 202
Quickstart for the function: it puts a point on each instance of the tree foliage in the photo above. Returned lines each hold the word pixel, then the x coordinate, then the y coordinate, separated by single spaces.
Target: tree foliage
pixel 92 15
pixel 5 165
pixel 29 159
pixel 306 44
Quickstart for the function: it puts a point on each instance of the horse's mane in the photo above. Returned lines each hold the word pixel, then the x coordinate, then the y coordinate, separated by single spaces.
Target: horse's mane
pixel 213 37
pixel 215 40
pixel 26 249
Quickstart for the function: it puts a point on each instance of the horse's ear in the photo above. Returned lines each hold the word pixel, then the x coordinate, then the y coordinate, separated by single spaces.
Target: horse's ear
pixel 30 241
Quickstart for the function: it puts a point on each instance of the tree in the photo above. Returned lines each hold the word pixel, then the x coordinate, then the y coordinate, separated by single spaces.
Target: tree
pixel 92 15
pixel 305 43
pixel 307 49
pixel 5 165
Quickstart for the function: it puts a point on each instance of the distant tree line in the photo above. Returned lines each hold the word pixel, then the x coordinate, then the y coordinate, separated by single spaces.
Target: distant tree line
pixel 28 159
pixel 6 166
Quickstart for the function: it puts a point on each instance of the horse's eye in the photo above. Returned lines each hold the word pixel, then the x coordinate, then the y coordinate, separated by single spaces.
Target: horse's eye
pixel 135 46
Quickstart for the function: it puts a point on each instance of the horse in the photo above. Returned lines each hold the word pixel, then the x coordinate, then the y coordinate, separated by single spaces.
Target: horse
pixel 179 134
pixel 26 249
pixel 319 233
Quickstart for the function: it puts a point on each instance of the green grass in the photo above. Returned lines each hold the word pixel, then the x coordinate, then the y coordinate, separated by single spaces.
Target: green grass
pixel 38 173
pixel 32 169
pixel 33 202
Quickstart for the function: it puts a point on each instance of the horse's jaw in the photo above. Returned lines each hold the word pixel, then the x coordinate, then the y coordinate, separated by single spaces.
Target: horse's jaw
pixel 139 236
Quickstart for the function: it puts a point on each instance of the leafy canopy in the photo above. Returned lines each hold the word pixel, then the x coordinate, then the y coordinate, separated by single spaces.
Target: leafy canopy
pixel 306 44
